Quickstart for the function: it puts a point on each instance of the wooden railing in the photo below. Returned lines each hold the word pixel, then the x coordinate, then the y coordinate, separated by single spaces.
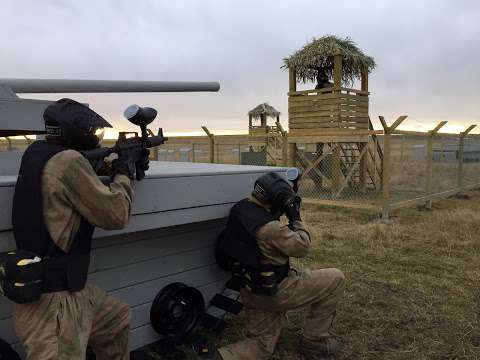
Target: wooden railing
pixel 337 108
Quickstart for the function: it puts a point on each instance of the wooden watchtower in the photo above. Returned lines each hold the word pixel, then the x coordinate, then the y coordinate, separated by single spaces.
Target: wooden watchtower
pixel 331 121
pixel 262 112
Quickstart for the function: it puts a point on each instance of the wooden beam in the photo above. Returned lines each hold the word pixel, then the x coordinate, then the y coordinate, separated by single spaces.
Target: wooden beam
pixel 337 71
pixel 384 123
pixel 467 131
pixel 212 144
pixel 311 167
pixel 397 123
pixel 317 161
pixel 364 84
pixel 437 128
pixel 292 80
pixel 350 172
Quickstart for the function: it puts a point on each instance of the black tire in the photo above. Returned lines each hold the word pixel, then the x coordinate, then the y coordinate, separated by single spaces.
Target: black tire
pixel 177 310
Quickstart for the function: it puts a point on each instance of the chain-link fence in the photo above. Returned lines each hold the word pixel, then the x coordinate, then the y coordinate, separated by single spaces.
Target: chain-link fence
pixel 339 172
pixel 388 171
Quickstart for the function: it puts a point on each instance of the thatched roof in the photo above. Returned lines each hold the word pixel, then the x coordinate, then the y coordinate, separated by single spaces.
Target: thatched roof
pixel 264 108
pixel 319 54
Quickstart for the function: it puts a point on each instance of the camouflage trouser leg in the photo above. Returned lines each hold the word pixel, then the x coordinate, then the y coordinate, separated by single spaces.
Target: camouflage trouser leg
pixel 322 307
pixel 110 337
pixel 319 290
pixel 263 330
pixel 59 325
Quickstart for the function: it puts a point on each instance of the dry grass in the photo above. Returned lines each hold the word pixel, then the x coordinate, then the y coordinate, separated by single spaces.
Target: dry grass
pixel 412 288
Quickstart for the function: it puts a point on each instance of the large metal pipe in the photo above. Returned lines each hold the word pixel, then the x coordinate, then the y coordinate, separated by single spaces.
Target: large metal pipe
pixel 101 86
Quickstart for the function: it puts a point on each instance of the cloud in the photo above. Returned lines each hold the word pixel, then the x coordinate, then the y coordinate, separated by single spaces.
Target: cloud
pixel 426 52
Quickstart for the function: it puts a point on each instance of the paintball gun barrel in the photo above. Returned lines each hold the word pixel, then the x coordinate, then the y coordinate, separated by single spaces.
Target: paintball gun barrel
pixel 132 148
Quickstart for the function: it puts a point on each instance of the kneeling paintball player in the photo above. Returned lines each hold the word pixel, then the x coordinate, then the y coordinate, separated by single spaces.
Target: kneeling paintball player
pixel 256 247
pixel 58 201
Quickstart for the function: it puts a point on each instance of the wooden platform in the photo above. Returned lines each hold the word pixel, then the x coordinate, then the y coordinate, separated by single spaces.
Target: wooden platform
pixel 179 210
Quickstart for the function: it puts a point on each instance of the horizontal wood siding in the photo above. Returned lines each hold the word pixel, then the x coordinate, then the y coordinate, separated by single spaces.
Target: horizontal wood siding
pixel 316 110
pixel 135 267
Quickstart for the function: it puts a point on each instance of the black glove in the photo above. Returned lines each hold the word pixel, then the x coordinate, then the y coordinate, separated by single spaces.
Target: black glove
pixel 142 165
pixel 123 166
pixel 292 209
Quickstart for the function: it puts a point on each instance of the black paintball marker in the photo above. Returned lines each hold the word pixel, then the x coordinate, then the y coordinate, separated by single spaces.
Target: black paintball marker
pixel 130 145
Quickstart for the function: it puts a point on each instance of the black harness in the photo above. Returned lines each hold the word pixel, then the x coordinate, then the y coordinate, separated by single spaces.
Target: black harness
pixel 61 270
pixel 238 251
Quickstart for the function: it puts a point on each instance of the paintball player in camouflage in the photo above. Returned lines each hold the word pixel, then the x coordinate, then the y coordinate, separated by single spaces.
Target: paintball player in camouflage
pixel 257 247
pixel 58 201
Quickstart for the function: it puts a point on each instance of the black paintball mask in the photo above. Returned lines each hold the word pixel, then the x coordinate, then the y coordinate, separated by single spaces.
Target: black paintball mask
pixel 274 191
pixel 74 125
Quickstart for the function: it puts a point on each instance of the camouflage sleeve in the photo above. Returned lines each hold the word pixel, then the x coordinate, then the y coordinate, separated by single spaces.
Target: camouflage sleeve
pixel 107 207
pixel 274 237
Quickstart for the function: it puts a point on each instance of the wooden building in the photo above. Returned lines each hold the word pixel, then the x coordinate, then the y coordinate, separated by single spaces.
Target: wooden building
pixel 332 118
pixel 262 113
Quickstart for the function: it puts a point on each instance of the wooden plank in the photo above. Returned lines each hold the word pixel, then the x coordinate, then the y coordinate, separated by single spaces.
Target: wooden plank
pixel 314 114
pixel 130 253
pixel 318 120
pixel 163 194
pixel 331 100
pixel 315 138
pixel 320 97
pixel 353 125
pixel 145 291
pixel 129 275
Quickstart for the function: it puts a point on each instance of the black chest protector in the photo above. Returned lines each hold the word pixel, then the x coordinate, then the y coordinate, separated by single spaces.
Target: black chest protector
pixel 62 271
pixel 238 251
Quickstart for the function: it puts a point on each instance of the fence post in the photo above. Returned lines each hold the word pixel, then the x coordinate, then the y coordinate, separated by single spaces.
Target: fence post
pixel 387 133
pixel 212 143
pixel 461 147
pixel 402 151
pixel 428 187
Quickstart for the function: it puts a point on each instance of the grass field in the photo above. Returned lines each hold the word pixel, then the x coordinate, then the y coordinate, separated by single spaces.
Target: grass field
pixel 413 287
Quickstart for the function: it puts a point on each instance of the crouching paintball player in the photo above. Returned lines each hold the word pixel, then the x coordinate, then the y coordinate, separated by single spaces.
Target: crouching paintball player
pixel 256 248
pixel 58 201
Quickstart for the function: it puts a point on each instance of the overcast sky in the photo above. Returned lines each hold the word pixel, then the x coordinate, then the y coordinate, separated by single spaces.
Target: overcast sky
pixel 427 53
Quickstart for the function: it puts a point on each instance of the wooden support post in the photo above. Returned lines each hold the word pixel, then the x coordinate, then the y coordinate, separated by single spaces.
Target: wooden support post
pixel 212 144
pixel 461 147
pixel 239 154
pixel 386 177
pixel 193 152
pixel 336 170
pixel 402 151
pixel 364 83
pixel 388 130
pixel 292 80
pixel 249 121
pixel 9 141
pixel 363 169
pixel 292 154
pixel 429 186
pixel 337 71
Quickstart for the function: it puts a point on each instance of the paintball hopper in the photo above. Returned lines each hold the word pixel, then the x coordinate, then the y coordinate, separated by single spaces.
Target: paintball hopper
pixel 141 116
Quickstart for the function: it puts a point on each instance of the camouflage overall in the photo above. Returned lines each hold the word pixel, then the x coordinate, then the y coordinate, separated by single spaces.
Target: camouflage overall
pixel 318 290
pixel 61 324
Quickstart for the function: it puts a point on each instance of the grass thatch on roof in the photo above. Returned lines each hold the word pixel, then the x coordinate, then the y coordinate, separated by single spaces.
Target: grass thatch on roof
pixel 318 55
pixel 262 109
